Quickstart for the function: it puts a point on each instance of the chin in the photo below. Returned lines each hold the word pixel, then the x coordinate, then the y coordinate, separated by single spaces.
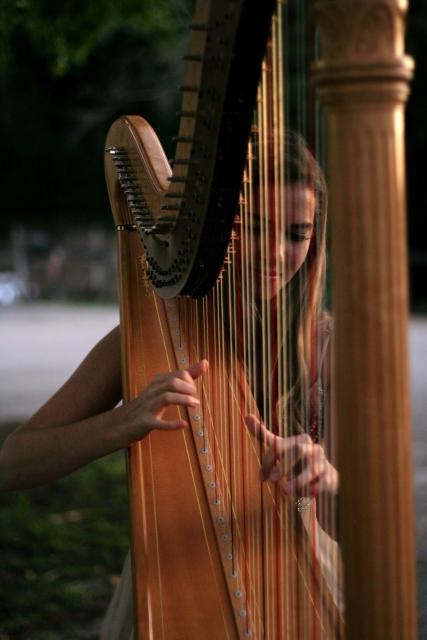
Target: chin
pixel 272 286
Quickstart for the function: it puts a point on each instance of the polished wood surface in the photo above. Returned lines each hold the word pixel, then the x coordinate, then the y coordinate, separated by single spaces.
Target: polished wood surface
pixel 179 588
pixel 363 80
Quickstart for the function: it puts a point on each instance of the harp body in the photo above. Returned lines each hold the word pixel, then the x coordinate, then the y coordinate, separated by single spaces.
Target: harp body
pixel 196 573
pixel 187 583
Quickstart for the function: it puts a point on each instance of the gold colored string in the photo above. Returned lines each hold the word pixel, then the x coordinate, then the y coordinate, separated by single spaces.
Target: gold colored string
pixel 220 395
pixel 225 474
pixel 251 445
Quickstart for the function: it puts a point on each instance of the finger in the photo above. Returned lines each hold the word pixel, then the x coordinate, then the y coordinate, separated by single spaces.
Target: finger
pixel 253 424
pixel 197 369
pixel 295 448
pixel 169 398
pixel 322 485
pixel 260 431
pixel 303 483
pixel 169 425
pixel 288 450
pixel 329 480
pixel 269 461
pixel 178 385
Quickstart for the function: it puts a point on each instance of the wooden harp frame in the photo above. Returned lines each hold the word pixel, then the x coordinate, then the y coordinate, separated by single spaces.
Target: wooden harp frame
pixel 362 81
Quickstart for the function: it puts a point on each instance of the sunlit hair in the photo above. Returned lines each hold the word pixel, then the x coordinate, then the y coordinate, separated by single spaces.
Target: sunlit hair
pixel 302 297
pixel 305 292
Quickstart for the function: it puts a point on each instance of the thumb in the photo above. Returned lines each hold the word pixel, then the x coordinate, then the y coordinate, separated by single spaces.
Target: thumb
pixel 198 368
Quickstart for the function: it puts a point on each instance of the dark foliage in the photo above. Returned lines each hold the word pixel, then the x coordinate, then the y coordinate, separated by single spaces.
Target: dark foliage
pixel 62 551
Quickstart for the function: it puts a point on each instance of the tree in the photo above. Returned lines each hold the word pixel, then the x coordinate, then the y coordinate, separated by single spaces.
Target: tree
pixel 67 72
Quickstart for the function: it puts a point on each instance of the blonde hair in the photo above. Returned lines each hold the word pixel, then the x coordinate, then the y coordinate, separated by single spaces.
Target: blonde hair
pixel 303 294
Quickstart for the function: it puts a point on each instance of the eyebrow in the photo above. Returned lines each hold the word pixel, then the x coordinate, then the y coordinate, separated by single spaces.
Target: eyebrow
pixel 302 225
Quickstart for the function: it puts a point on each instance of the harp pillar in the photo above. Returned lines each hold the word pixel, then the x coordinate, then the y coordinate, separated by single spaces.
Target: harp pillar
pixel 362 81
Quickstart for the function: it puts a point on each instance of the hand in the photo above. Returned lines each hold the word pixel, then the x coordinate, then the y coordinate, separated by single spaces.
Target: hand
pixel 175 388
pixel 314 475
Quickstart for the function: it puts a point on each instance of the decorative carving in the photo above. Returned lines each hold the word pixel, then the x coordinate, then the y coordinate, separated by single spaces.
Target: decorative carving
pixel 360 30
pixel 376 32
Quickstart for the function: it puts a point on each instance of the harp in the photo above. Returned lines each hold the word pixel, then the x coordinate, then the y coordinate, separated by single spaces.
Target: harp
pixel 215 552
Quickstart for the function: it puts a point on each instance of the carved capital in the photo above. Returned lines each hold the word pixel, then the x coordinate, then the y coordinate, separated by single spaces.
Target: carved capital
pixel 356 30
pixel 362 41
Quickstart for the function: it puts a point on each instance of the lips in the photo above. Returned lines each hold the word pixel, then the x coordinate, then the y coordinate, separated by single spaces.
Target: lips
pixel 270 272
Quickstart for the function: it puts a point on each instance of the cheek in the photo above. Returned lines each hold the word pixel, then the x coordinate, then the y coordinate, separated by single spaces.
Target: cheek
pixel 295 254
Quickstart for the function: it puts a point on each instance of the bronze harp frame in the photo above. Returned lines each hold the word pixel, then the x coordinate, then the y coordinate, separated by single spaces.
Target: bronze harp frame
pixel 362 80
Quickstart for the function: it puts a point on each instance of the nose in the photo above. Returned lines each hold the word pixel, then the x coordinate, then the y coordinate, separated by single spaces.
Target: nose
pixel 276 246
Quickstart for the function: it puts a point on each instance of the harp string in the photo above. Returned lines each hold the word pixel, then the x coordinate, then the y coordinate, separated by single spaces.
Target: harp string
pixel 227 480
pixel 248 320
pixel 272 253
pixel 301 126
pixel 249 358
pixel 204 395
pixel 281 305
pixel 279 215
pixel 250 442
pixel 256 528
pixel 265 213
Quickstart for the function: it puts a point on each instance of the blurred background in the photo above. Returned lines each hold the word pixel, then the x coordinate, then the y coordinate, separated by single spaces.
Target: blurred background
pixel 66 75
pixel 67 70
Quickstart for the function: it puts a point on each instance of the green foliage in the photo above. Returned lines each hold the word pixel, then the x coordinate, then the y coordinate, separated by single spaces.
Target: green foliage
pixel 63 547
pixel 67 71
pixel 66 33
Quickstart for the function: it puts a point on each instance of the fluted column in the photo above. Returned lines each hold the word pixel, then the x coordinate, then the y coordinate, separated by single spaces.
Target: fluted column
pixel 362 81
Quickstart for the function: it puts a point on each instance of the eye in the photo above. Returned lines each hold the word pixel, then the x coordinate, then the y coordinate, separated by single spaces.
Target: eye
pixel 298 236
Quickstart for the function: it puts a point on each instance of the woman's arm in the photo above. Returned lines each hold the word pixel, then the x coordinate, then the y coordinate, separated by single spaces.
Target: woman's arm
pixel 80 424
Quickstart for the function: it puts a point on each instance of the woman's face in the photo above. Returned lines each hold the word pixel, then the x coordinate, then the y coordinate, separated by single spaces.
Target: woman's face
pixel 281 239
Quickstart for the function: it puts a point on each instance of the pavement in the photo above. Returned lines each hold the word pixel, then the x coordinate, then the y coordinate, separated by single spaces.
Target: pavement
pixel 41 344
pixel 418 359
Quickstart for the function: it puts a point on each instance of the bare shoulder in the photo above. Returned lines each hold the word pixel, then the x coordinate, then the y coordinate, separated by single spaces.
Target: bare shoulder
pixel 94 387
